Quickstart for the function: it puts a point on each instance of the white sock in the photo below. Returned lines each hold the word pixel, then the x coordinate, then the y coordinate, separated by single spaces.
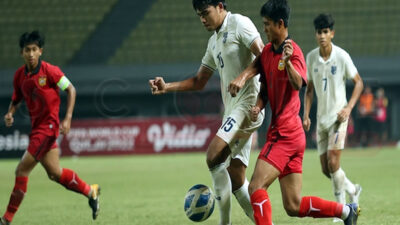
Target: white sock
pixel 349 186
pixel 345 212
pixel 243 197
pixel 338 178
pixel 222 189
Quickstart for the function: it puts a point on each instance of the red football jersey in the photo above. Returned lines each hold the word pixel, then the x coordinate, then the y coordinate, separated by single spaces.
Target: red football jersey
pixel 40 91
pixel 283 99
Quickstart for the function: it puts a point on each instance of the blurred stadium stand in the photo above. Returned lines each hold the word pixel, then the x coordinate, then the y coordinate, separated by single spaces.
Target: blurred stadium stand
pixel 110 48
pixel 66 25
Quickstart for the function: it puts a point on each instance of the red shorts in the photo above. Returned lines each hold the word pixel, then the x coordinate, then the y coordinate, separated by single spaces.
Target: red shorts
pixel 285 153
pixel 40 144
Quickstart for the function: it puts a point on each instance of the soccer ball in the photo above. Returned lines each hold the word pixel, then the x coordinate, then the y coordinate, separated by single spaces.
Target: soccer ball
pixel 199 203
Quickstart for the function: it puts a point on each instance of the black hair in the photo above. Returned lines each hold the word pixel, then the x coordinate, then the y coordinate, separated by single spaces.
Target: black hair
pixel 324 20
pixel 31 38
pixel 276 10
pixel 202 4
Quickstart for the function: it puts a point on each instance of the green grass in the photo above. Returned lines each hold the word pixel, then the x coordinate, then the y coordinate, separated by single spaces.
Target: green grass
pixel 150 189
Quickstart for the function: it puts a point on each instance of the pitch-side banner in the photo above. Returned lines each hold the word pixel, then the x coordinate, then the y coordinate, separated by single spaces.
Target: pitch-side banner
pixel 139 136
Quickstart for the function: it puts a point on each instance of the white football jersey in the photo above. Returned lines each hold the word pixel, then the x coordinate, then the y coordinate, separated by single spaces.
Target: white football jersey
pixel 329 79
pixel 228 51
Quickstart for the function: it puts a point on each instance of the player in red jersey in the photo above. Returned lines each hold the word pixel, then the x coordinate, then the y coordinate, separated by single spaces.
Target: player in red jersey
pixel 38 83
pixel 283 73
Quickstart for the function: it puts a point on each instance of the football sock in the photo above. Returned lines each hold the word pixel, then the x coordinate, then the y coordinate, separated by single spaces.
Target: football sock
pixel 338 178
pixel 223 189
pixel 349 186
pixel 243 197
pixel 311 206
pixel 345 212
pixel 17 195
pixel 261 207
pixel 70 180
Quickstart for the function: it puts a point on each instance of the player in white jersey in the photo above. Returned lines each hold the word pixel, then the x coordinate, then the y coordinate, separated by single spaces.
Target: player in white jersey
pixel 233 46
pixel 328 68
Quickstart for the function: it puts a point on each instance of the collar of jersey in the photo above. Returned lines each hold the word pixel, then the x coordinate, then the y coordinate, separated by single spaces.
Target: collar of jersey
pixel 330 57
pixel 224 24
pixel 280 49
pixel 36 69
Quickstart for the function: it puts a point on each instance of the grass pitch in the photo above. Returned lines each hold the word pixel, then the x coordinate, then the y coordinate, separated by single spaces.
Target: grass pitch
pixel 150 189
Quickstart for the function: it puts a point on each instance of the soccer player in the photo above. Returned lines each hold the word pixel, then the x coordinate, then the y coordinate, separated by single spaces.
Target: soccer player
pixel 329 67
pixel 283 73
pixel 38 83
pixel 232 47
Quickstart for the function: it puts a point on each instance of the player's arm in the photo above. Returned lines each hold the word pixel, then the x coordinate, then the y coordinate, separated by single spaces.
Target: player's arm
pixel 295 78
pixel 198 82
pixel 71 96
pixel 238 83
pixel 9 117
pixel 260 104
pixel 308 99
pixel 344 114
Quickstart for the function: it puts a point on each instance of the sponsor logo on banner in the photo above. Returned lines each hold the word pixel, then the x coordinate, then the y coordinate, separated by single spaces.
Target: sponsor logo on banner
pixel 14 142
pixel 97 139
pixel 139 136
pixel 170 137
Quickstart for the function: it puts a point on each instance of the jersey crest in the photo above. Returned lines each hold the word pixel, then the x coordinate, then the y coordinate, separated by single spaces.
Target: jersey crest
pixel 42 80
pixel 281 65
pixel 333 70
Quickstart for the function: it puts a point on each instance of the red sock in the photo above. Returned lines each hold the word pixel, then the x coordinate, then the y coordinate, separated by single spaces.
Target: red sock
pixel 17 195
pixel 70 180
pixel 319 208
pixel 261 207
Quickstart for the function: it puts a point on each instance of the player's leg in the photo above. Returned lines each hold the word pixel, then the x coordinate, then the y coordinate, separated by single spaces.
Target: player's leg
pixel 24 168
pixel 217 153
pixel 322 144
pixel 340 182
pixel 309 206
pixel 239 160
pixel 263 176
pixel 69 179
pixel 337 175
pixel 66 177
pixel 240 185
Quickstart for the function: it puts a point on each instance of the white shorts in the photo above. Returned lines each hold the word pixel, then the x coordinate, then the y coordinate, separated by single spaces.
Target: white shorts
pixel 332 138
pixel 236 130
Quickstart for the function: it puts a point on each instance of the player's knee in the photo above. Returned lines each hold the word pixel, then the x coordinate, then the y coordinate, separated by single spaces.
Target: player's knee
pixel 292 209
pixel 54 176
pixel 210 162
pixel 213 159
pixel 254 186
pixel 333 165
pixel 326 172
pixel 21 172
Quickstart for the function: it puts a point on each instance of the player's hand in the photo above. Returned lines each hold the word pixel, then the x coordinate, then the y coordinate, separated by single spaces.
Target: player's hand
pixel 287 50
pixel 254 111
pixel 65 126
pixel 306 123
pixel 157 86
pixel 9 119
pixel 236 85
pixel 344 114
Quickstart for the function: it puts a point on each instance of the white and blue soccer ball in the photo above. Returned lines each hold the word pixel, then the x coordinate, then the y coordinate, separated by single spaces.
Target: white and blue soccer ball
pixel 199 203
